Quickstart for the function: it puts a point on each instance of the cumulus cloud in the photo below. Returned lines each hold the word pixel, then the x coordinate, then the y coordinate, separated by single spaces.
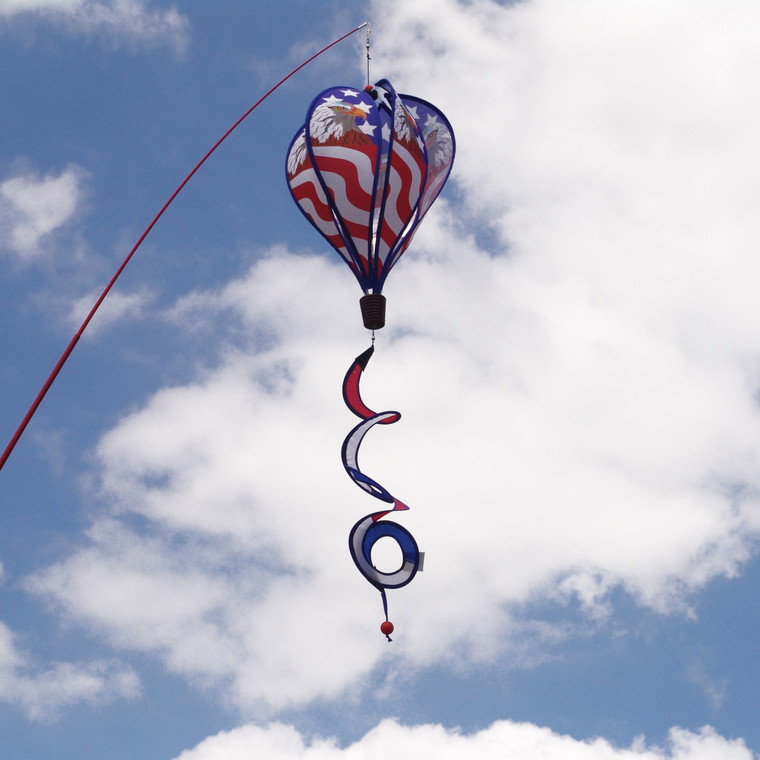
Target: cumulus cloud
pixel 32 208
pixel 263 559
pixel 119 20
pixel 571 341
pixel 116 306
pixel 517 741
pixel 42 694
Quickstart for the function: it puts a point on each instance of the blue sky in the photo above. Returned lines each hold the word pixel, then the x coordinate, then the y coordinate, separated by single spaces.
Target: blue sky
pixel 571 341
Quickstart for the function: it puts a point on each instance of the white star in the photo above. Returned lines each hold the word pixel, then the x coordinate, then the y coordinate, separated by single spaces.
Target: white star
pixel 413 112
pixel 431 120
pixel 349 93
pixel 386 132
pixel 382 96
pixel 367 128
pixel 332 100
pixel 363 107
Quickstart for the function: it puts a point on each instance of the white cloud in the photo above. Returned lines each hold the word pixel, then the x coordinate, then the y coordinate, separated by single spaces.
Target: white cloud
pixel 32 208
pixel 118 20
pixel 115 307
pixel 578 392
pixel 42 694
pixel 13 7
pixel 261 546
pixel 517 741
pixel 239 476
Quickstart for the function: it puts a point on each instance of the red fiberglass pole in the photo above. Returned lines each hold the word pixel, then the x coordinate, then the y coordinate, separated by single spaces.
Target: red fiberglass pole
pixel 65 355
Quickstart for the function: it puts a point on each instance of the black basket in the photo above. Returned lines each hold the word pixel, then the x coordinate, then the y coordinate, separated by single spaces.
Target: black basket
pixel 373 310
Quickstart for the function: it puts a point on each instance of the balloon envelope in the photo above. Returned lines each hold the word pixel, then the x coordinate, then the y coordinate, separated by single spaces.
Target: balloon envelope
pixel 365 168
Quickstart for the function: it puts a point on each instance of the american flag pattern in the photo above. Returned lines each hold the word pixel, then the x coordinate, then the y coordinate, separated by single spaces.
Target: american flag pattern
pixel 365 168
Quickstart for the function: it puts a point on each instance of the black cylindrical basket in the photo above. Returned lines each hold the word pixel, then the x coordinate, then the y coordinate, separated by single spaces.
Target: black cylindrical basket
pixel 373 310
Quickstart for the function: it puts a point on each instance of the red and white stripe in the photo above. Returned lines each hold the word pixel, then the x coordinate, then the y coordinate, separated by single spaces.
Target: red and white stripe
pixel 405 183
pixel 349 174
pixel 311 198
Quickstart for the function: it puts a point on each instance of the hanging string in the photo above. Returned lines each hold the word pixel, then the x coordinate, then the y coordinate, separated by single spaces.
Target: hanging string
pixel 64 357
pixel 369 81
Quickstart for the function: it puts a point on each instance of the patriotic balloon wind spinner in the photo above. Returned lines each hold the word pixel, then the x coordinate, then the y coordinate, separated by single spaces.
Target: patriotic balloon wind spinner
pixel 364 169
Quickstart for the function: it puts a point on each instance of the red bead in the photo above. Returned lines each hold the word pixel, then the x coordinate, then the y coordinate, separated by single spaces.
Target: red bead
pixel 387 628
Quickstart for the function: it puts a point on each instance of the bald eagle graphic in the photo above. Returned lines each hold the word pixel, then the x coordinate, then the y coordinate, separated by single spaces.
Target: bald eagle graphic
pixel 333 122
pixel 336 122
pixel 403 123
pixel 298 158
pixel 440 147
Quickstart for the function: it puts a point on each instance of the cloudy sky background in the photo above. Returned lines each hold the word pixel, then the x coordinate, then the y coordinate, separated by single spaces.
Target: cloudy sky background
pixel 572 342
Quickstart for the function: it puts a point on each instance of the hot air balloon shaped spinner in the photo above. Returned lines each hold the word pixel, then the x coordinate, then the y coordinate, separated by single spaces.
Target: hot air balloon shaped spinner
pixel 364 169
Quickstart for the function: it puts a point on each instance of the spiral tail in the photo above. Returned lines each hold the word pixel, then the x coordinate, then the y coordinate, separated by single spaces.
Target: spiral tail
pixel 371 528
